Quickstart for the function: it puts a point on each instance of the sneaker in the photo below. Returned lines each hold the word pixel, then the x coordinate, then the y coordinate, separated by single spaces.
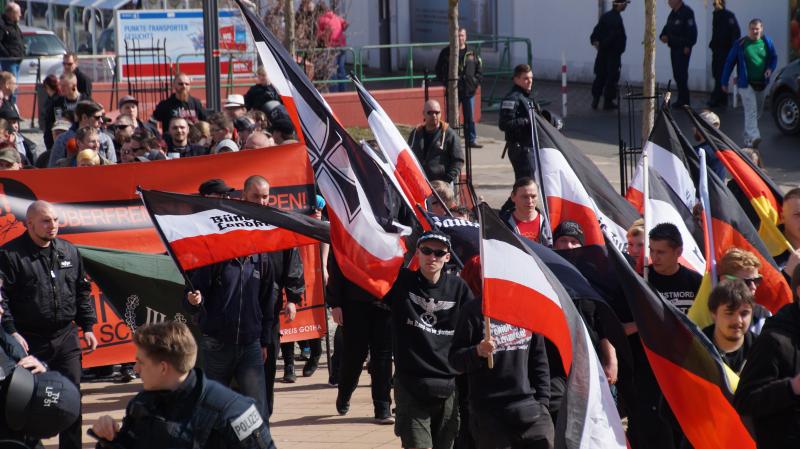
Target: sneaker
pixel 333 382
pixel 306 353
pixel 475 145
pixel 756 143
pixel 310 367
pixel 289 376
pixel 383 413
pixel 127 374
pixel 384 420
pixel 342 406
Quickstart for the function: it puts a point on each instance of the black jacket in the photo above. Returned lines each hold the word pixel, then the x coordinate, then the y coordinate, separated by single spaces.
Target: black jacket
pixel 60 108
pixel 610 33
pixel 424 318
pixel 443 157
pixel 680 29
pixel 341 290
pixel 40 295
pixel 725 31
pixel 238 295
pixel 514 119
pixel 199 413
pixel 289 277
pixel 191 109
pixel 84 83
pixel 257 95
pixel 764 393
pixel 469 70
pixel 11 42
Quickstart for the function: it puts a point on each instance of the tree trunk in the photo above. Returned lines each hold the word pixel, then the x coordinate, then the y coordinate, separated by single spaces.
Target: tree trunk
pixel 452 76
pixel 649 69
pixel 288 20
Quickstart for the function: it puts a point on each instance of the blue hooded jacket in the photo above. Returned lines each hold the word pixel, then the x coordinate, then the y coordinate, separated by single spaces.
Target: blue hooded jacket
pixel 736 57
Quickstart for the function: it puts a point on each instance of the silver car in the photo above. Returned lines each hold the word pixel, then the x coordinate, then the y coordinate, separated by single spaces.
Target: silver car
pixel 40 45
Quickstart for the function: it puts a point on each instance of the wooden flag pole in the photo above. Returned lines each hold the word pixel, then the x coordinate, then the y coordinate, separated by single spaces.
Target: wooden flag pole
pixel 487 334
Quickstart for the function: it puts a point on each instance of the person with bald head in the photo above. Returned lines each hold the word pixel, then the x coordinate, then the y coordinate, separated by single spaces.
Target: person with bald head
pixel 258 139
pixel 46 297
pixel 437 146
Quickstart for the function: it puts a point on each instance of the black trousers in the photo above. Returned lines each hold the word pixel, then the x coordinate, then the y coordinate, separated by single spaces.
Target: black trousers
pixel 520 158
pixel 606 75
pixel 680 73
pixel 336 356
pixel 287 350
pixel 61 351
pixel 367 328
pixel 271 364
pixel 718 57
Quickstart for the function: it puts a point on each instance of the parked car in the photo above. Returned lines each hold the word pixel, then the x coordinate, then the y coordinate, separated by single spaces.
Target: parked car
pixel 785 95
pixel 40 45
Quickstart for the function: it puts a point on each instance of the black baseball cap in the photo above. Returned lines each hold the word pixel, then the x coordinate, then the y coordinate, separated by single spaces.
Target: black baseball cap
pixel 213 186
pixel 244 124
pixel 436 236
pixel 41 405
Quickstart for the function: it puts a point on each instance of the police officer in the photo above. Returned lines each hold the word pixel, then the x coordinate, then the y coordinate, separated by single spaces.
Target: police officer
pixel 725 32
pixel 680 33
pixel 608 37
pixel 515 121
pixel 180 407
pixel 45 295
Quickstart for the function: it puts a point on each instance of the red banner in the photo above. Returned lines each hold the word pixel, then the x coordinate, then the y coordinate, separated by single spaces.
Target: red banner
pixel 98 206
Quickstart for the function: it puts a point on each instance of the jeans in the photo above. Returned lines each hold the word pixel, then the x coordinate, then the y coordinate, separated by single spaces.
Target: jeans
pixel 62 353
pixel 13 67
pixel 224 361
pixel 753 104
pixel 341 73
pixel 468 106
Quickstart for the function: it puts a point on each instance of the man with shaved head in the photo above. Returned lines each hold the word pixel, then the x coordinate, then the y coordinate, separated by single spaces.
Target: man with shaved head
pixel 437 146
pixel 46 297
pixel 258 140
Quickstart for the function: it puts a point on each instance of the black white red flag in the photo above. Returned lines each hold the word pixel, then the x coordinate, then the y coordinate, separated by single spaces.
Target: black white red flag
pixel 200 231
pixel 520 290
pixel 369 251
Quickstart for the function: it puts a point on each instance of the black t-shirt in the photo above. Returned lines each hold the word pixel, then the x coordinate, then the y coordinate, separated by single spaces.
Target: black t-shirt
pixel 427 138
pixel 424 318
pixel 680 288
pixel 735 360
pixel 191 109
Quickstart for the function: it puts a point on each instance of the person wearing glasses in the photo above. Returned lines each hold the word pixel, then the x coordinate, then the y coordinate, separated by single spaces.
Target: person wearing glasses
pixel 741 264
pixel 179 104
pixel 425 305
pixel 129 105
pixel 87 114
pixel 70 64
pixel 437 146
pixel 61 106
pixel 123 130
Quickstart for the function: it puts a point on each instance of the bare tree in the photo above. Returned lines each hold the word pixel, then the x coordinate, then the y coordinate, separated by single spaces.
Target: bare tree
pixel 452 76
pixel 288 17
pixel 649 73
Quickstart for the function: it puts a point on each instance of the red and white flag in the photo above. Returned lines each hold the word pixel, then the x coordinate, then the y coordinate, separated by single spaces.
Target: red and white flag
pixel 200 231
pixel 363 238
pixel 520 290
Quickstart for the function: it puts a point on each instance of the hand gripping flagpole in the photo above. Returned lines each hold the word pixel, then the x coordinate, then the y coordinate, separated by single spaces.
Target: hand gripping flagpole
pixel 705 202
pixel 487 322
pixel 537 167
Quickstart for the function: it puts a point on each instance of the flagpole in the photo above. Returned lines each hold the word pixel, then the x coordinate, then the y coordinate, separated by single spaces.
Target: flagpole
pixel 645 209
pixel 548 237
pixel 705 202
pixel 487 322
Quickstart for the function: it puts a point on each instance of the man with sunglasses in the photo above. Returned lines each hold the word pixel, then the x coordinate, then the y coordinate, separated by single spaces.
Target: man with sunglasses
pixel 87 114
pixel 70 64
pixel 129 105
pixel 437 146
pixel 179 104
pixel 741 264
pixel 425 306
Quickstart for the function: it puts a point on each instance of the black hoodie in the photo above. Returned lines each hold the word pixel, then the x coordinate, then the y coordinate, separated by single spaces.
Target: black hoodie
pixel 764 392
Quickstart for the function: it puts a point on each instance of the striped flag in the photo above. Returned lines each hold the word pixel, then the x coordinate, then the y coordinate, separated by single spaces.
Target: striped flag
pixel 520 290
pixel 695 381
pixel 576 190
pixel 406 167
pixel 666 159
pixel 761 195
pixel 200 231
pixel 364 240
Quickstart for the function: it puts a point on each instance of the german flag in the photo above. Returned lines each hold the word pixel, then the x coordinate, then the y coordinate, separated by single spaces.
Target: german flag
pixel 761 195
pixel 732 228
pixel 696 383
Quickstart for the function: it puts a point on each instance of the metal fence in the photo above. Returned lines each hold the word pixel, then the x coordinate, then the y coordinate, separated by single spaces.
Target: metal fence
pixel 631 141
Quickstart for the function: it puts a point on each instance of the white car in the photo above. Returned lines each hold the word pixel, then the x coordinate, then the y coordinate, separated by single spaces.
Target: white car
pixel 40 45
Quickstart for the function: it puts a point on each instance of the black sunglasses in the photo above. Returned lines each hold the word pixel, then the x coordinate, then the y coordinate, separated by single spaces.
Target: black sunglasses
pixel 436 252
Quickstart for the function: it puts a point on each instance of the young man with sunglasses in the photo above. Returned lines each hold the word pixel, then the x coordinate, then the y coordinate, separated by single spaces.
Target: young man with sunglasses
pixel 731 305
pixel 425 306
pixel 91 114
pixel 741 264
pixel 437 146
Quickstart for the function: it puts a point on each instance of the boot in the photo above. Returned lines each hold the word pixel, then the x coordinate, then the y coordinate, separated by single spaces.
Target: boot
pixel 288 374
pixel 310 366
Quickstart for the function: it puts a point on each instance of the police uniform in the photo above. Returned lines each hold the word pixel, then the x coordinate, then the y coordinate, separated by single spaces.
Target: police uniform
pixel 725 32
pixel 516 123
pixel 609 33
pixel 199 413
pixel 44 291
pixel 681 33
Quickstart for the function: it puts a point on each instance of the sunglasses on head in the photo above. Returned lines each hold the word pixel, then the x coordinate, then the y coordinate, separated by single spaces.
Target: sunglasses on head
pixel 436 252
